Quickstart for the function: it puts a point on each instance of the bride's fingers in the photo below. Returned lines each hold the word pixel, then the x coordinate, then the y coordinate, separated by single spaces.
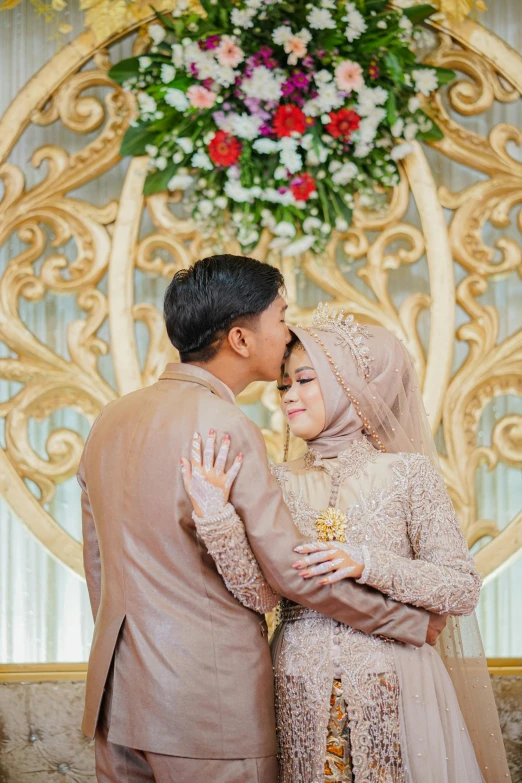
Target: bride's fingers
pixel 317 546
pixel 234 470
pixel 317 557
pixel 221 459
pixel 208 452
pixel 186 473
pixel 322 568
pixel 342 573
pixel 195 454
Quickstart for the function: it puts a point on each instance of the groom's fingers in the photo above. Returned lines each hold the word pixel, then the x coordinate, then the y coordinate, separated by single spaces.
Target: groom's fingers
pixel 196 450
pixel 208 452
pixel 221 459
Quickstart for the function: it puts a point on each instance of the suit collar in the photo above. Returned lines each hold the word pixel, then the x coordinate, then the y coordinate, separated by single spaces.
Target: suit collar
pixel 193 374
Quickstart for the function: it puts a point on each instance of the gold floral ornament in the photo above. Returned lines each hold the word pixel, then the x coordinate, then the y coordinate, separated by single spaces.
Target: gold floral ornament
pixel 331 525
pixel 108 17
pixel 453 10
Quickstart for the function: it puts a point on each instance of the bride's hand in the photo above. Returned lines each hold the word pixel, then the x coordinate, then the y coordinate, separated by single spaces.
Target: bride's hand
pixel 340 559
pixel 207 484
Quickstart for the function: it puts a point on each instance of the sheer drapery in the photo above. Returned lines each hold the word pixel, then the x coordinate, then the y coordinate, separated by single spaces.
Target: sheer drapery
pixel 44 610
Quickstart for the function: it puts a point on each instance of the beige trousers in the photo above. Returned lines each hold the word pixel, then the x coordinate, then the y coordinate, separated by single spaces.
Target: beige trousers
pixel 119 764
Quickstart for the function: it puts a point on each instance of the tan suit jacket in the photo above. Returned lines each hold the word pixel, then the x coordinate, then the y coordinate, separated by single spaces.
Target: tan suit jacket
pixel 192 669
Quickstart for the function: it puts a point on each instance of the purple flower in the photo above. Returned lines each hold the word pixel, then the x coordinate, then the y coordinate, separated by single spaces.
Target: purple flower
pixel 219 118
pixel 266 51
pixel 212 42
pixel 308 61
pixel 207 83
pixel 282 189
pixel 194 70
pixel 227 106
pixel 300 80
pixel 287 88
pixel 266 130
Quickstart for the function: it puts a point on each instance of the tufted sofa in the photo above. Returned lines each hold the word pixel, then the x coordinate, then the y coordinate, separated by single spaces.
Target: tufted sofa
pixel 41 741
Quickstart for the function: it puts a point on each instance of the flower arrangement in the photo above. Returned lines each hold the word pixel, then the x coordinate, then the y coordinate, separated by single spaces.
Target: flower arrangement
pixel 276 113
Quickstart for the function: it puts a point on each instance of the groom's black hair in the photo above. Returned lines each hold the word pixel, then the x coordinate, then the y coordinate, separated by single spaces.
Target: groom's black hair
pixel 204 302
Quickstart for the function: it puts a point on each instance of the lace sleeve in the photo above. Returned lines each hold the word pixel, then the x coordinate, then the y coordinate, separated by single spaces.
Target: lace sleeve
pixel 442 578
pixel 226 540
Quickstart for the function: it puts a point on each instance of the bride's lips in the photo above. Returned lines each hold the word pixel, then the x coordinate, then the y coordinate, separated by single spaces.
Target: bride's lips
pixel 295 412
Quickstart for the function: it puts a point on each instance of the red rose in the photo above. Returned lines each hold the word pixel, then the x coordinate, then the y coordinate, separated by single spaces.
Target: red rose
pixel 343 123
pixel 224 150
pixel 303 186
pixel 288 119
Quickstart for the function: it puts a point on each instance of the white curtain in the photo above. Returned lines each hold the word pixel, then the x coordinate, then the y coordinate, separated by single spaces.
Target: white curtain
pixel 44 609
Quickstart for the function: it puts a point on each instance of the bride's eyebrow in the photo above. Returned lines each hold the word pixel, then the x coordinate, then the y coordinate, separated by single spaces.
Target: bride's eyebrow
pixel 300 369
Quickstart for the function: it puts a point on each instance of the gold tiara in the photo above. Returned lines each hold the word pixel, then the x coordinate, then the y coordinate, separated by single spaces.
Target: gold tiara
pixel 349 332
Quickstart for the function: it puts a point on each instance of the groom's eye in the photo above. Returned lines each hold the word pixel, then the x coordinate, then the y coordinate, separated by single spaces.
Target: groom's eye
pixel 283 388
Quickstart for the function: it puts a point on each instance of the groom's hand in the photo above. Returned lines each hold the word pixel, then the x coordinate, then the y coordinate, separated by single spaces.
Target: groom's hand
pixel 436 626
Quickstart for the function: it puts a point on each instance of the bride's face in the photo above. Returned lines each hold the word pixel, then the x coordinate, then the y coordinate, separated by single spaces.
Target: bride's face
pixel 301 398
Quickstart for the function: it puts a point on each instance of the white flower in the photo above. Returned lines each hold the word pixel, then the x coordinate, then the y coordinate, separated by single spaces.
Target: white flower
pixel 289 156
pixel 362 150
pixel 151 150
pixel 267 219
pixel 255 4
pixel 237 192
pixel 246 126
pixel 168 72
pixel 335 165
pixel 368 98
pixel 382 24
pixel 265 146
pixel 285 229
pixel 207 138
pixel 221 202
pixel 226 123
pixel 242 18
pixel 147 103
pixel 331 4
pixel 425 80
pixel 200 160
pixel 345 174
pixel 180 182
pixel 177 99
pixel 397 128
pixel 263 83
pixel 356 24
pixel 341 224
pixel 410 131
pixel 181 7
pixel 311 224
pixel 311 108
pixel 186 144
pixel 247 236
pixel 316 156
pixel 321 77
pixel 321 19
pixel 224 75
pixel 205 207
pixel 144 62
pixel 299 246
pixel 161 163
pixel 413 104
pixel 177 55
pixel 329 98
pixel 281 35
pixel 280 173
pixel 275 197
pixel 157 32
pixel 405 24
pixel 178 157
pixel 400 151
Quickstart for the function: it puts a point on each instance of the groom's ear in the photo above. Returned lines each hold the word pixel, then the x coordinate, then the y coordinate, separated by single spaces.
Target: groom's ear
pixel 239 340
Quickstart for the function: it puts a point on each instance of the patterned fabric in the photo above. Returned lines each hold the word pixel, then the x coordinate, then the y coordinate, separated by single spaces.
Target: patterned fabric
pixel 338 762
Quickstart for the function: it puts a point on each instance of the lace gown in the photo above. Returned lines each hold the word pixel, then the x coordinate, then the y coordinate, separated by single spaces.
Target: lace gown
pixel 352 706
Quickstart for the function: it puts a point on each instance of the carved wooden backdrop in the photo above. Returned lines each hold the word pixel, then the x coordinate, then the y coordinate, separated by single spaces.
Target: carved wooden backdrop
pixel 92 253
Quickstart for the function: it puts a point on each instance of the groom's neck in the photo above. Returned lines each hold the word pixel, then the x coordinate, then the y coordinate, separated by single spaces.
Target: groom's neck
pixel 228 371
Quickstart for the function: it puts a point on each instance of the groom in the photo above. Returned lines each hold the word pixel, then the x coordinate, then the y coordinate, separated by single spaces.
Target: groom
pixel 180 686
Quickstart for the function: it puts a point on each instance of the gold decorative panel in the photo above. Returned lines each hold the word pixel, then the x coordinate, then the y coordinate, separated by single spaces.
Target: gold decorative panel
pixel 363 270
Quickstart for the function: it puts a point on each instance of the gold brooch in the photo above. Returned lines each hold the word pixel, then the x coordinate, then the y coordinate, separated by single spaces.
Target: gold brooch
pixel 331 525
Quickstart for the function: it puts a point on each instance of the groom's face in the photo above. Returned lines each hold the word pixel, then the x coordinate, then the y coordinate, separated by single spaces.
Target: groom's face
pixel 271 336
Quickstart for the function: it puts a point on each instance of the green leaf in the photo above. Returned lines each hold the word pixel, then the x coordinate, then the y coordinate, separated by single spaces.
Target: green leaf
pixel 344 209
pixel 135 140
pixel 158 180
pixel 434 134
pixel 391 109
pixel 167 21
pixel 124 70
pixel 394 67
pixel 374 5
pixel 418 13
pixel 445 75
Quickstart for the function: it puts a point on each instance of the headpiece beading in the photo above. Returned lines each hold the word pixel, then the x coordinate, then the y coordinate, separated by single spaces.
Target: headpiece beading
pixel 349 332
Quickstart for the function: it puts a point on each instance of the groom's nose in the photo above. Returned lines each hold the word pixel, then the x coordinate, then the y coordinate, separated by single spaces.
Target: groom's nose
pixel 288 335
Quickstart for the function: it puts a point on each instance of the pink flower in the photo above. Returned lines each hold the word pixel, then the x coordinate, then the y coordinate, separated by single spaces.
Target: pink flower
pixel 349 76
pixel 229 53
pixel 296 48
pixel 200 97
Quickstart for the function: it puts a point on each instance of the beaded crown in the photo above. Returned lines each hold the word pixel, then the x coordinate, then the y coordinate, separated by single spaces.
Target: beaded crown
pixel 349 332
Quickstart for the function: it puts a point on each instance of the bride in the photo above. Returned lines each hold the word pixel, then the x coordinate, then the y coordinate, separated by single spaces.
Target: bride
pixel 369 496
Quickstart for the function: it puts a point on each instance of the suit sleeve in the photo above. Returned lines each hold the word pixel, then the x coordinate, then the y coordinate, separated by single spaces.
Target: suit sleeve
pixel 258 501
pixel 91 550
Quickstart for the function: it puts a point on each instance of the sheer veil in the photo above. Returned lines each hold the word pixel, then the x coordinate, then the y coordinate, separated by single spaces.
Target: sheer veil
pixel 372 369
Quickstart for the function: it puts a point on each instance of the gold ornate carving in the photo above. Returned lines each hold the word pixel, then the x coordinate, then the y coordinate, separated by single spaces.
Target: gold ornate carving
pixel 70 247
